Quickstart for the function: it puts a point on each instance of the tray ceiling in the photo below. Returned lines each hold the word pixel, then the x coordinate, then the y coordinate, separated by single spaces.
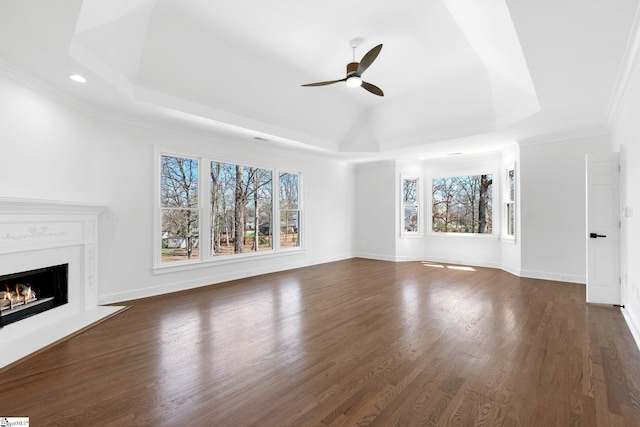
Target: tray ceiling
pixel 457 74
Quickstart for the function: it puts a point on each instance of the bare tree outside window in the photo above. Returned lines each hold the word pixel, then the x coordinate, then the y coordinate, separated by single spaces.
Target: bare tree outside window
pixel 179 202
pixel 462 204
pixel 410 190
pixel 247 210
pixel 289 210
pixel 410 205
pixel 510 202
pixel 241 209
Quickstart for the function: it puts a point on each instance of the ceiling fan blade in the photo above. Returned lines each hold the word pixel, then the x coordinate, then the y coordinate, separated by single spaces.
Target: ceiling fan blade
pixel 368 59
pixel 325 83
pixel 372 88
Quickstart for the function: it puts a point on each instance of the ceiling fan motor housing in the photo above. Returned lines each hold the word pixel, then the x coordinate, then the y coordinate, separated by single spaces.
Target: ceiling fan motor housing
pixel 352 68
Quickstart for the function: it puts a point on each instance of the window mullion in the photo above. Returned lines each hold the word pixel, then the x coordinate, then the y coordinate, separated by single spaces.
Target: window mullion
pixel 275 210
pixel 205 209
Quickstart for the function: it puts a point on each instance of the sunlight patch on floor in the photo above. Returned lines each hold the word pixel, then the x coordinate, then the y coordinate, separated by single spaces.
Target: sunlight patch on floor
pixel 429 264
pixel 452 267
pixel 461 267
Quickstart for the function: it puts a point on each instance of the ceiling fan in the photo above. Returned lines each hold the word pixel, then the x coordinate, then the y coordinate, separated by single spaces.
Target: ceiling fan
pixel 355 70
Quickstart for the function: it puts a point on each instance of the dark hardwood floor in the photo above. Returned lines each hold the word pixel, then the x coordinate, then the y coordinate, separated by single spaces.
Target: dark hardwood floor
pixel 349 343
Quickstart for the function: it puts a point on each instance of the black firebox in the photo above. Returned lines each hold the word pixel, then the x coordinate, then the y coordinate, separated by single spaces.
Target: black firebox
pixel 28 293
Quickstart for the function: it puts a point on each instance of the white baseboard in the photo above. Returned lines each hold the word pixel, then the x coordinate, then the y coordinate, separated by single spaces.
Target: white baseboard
pixel 557 277
pixel 477 263
pixel 221 278
pixel 378 257
pixel 212 280
pixel 512 270
pixel 633 323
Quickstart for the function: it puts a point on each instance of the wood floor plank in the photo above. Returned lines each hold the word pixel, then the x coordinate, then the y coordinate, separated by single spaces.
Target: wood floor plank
pixel 355 342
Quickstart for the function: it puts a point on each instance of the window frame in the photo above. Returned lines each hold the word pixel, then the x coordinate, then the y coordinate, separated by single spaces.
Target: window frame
pixel 417 205
pixel 205 257
pixel 495 219
pixel 245 166
pixel 298 210
pixel 161 209
pixel 509 198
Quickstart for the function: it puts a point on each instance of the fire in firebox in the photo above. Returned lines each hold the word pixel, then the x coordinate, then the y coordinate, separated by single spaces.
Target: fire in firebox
pixel 19 295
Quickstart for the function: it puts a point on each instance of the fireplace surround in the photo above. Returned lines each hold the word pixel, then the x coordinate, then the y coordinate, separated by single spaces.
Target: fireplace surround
pixel 36 235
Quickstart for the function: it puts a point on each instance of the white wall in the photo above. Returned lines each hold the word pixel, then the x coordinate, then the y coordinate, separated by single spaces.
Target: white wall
pixel 55 151
pixel 43 147
pixel 626 138
pixel 376 213
pixel 553 207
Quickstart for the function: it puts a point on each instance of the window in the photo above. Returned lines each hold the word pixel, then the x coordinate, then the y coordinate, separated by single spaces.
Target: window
pixel 510 202
pixel 410 205
pixel 462 204
pixel 231 209
pixel 180 208
pixel 289 210
pixel 241 209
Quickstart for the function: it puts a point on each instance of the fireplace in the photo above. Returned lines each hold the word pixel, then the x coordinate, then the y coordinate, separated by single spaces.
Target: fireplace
pixel 48 274
pixel 28 293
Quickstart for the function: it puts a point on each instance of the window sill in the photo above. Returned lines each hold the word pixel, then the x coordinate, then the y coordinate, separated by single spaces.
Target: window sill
pixel 508 239
pixel 411 235
pixel 464 235
pixel 178 266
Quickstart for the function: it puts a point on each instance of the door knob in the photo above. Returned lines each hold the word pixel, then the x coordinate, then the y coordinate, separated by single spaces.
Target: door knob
pixel 595 235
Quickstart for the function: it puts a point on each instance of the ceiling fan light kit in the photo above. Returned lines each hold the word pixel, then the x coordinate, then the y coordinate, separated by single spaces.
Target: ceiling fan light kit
pixel 354 81
pixel 355 70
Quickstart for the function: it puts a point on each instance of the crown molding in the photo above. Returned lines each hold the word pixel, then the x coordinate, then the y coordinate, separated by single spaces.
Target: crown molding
pixel 28 80
pixel 562 137
pixel 629 69
pixel 375 164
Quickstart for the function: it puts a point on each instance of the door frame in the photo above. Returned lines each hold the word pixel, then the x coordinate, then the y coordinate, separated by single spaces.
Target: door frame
pixel 603 285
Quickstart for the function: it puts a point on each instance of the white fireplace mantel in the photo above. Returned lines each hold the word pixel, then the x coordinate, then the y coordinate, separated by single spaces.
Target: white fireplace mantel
pixel 40 233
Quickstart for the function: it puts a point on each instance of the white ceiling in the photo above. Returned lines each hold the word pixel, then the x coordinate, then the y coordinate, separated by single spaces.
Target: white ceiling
pixel 458 75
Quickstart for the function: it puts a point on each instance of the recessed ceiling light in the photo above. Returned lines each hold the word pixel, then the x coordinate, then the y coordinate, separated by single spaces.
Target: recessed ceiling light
pixel 78 78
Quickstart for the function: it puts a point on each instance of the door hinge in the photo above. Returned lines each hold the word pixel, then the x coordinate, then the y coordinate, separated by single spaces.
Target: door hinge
pixel 620 280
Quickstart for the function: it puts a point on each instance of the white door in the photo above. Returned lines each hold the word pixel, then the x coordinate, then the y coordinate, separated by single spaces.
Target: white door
pixel 603 229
